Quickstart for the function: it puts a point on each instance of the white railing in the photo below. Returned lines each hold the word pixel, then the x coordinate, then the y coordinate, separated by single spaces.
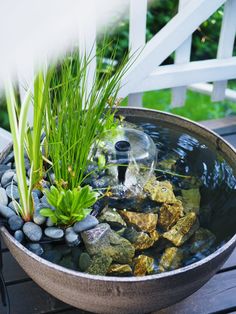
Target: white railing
pixel 147 74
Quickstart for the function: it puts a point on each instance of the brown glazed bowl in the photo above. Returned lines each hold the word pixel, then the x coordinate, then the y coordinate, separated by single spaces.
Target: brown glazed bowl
pixel 102 294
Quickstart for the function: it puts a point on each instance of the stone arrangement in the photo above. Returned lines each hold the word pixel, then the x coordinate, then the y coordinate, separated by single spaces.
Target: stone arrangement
pixel 119 241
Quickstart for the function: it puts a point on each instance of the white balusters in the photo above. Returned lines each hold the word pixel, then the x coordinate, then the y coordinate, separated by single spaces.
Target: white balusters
pixel 226 44
pixel 137 38
pixel 182 55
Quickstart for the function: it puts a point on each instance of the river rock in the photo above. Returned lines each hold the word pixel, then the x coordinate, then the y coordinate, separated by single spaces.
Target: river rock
pixel 72 238
pixel 119 270
pixel 160 191
pixel 100 264
pixel 13 192
pixel 19 235
pixel 142 221
pixel 112 217
pixel 102 239
pixel 143 265
pixel 54 232
pixel 49 222
pixel 84 261
pixel 171 259
pixel 9 158
pixel 32 231
pixel 169 214
pixel 87 223
pixel 191 200
pixel 7 177
pixel 35 248
pixel 35 198
pixel 37 192
pixel 3 197
pixel 15 222
pixel 38 218
pixel 183 230
pixel 3 169
pixel 6 212
pixel 13 205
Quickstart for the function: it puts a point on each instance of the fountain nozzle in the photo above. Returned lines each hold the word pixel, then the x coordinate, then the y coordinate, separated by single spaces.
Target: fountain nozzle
pixel 122 150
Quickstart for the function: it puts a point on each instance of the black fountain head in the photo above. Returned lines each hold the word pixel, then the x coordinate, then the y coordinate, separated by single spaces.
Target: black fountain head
pixel 122 149
pixel 122 146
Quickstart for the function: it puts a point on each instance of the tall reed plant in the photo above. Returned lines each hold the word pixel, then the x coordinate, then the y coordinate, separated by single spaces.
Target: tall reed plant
pixel 26 138
pixel 18 123
pixel 77 117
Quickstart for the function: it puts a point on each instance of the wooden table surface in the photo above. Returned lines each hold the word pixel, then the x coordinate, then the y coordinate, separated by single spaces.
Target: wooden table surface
pixel 216 296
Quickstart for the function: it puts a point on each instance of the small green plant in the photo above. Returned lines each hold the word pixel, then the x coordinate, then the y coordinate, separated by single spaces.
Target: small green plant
pixel 69 206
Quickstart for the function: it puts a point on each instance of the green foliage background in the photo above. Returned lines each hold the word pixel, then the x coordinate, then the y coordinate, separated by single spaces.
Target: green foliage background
pixel 204 46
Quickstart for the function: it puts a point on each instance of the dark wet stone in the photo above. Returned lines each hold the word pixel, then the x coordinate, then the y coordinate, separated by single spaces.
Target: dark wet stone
pixel 191 200
pixel 35 248
pixel 32 231
pixel 54 232
pixel 99 183
pixel 67 262
pixel 171 259
pixel 19 235
pixel 100 265
pixel 53 256
pixel 201 240
pixel 120 249
pixel 103 240
pixel 3 197
pixel 15 222
pixel 112 217
pixel 87 223
pixel 6 212
pixel 7 177
pixel 84 261
pixel 75 253
pixel 13 192
pixel 96 238
pixel 72 238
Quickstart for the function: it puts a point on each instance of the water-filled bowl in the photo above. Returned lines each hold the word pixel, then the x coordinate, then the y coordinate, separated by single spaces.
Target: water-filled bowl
pixel 102 294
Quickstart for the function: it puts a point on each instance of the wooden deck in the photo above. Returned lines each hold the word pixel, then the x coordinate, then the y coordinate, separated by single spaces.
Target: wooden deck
pixel 217 296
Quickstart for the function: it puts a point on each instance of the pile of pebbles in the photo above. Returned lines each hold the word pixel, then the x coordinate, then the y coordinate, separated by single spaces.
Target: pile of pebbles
pixel 33 233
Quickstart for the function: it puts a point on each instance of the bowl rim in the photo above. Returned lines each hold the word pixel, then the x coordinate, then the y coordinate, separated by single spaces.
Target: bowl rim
pixel 230 243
